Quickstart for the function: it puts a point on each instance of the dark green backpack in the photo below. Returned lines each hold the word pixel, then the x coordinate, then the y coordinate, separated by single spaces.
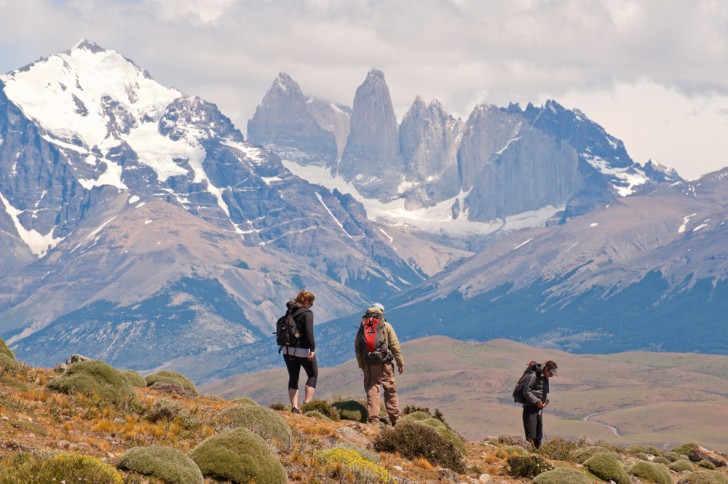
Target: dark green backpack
pixel 518 391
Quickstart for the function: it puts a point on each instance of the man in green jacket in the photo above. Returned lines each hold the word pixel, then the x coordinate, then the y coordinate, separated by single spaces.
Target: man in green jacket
pixel 377 347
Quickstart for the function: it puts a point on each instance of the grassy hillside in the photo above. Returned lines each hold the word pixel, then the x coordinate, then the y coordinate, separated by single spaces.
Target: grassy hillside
pixel 627 398
pixel 94 423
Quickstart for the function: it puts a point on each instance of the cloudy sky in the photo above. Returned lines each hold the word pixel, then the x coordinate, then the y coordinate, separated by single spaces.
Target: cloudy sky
pixel 654 73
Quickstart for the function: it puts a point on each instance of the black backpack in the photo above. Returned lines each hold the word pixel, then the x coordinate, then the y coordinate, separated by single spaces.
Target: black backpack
pixel 287 333
pixel 518 391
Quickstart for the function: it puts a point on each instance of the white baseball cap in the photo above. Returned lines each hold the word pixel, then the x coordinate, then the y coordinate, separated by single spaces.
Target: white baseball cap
pixel 378 306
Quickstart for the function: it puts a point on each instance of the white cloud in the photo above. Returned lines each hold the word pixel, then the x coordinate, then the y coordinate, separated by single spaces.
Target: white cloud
pixel 652 72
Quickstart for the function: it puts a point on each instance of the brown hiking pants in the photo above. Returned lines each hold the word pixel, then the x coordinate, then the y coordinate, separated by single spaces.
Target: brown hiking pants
pixel 376 374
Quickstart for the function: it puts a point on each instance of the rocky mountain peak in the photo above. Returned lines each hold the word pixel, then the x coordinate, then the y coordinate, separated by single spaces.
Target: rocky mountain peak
pixel 372 148
pixel 284 123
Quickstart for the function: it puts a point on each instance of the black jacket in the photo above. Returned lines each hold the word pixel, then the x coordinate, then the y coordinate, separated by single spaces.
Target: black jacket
pixel 304 323
pixel 536 388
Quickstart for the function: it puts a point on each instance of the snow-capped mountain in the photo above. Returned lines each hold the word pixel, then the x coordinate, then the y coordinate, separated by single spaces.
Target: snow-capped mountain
pixel 89 144
pixel 139 226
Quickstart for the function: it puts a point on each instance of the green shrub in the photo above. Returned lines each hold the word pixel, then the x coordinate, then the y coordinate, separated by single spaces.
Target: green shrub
pixel 642 456
pixel 704 477
pixel 360 469
pixel 582 455
pixel 245 401
pixel 171 382
pixel 240 456
pixel 416 440
pixel 707 464
pixel 4 350
pixel 63 467
pixel 607 467
pixel 279 406
pixel 681 465
pixel 134 378
pixel 165 463
pixel 317 414
pixel 661 460
pixel 7 362
pixel 650 472
pixel 93 378
pixel 558 449
pixel 322 406
pixel 510 450
pixel 527 466
pixel 644 449
pixel 561 476
pixel 170 410
pixel 260 420
pixel 439 426
pixel 352 410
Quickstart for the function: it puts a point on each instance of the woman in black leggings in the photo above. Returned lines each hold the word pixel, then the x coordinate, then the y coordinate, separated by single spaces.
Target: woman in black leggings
pixel 303 353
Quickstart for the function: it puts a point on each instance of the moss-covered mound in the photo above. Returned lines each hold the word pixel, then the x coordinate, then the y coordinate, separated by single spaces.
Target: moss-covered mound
pixel 685 449
pixel 4 350
pixel 704 477
pixel 417 440
pixel 93 378
pixel 650 472
pixel 317 414
pixel 238 455
pixel 586 453
pixel 321 406
pixel 562 476
pixel 171 382
pixel 643 449
pixel 264 422
pixel 510 450
pixel 134 378
pixel 165 463
pixel 352 410
pixel 681 465
pixel 422 418
pixel 245 401
pixel 63 467
pixel 341 463
pixel 607 467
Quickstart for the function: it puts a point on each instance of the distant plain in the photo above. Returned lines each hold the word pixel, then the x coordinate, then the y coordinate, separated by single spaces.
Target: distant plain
pixel 661 399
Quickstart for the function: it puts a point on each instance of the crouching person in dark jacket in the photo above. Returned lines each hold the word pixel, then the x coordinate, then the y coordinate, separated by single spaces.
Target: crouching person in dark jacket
pixel 535 392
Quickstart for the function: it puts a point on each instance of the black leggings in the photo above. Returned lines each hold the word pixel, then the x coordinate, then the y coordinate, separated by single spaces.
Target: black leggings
pixel 294 364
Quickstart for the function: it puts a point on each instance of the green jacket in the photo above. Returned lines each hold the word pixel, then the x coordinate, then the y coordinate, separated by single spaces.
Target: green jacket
pixel 392 343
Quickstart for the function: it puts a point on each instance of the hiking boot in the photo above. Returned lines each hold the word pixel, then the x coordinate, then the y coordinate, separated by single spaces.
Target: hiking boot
pixel 295 410
pixel 394 422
